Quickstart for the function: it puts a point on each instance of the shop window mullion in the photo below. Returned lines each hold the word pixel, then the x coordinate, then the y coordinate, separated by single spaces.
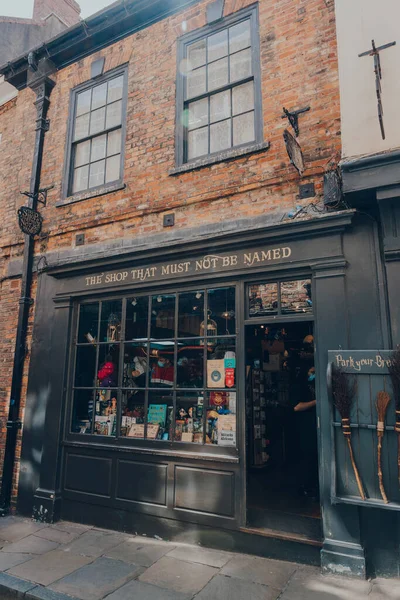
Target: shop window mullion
pixel 147 381
pixel 97 366
pixel 205 393
pixel 121 368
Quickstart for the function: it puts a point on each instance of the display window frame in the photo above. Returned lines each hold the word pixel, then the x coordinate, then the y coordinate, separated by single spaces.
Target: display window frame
pixel 145 444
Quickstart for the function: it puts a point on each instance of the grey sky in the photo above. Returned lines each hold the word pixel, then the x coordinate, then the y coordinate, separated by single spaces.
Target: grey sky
pixel 23 8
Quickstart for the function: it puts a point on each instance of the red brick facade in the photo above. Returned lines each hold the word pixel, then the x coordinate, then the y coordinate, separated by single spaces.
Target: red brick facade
pixel 298 69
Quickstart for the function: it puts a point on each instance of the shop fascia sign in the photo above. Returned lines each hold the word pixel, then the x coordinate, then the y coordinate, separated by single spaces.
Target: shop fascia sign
pixel 209 263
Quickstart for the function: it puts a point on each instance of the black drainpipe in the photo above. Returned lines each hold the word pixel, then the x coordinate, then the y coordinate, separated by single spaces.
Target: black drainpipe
pixel 42 86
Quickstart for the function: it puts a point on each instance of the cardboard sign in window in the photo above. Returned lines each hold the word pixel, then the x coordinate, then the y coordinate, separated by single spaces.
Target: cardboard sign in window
pixel 215 374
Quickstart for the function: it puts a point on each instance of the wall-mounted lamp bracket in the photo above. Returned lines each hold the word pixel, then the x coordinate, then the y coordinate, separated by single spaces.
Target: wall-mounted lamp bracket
pixel 293 117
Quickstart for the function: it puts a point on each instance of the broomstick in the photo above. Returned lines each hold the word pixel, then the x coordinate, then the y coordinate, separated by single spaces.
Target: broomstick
pixel 394 372
pixel 343 391
pixel 382 402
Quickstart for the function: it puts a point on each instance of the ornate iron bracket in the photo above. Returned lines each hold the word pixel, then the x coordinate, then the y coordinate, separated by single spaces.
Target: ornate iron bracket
pixel 293 117
pixel 41 195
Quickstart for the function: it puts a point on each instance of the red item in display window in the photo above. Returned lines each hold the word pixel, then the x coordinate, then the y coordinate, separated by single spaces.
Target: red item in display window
pixel 229 377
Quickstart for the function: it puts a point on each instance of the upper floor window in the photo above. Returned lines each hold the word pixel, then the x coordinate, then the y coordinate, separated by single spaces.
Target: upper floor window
pixel 96 135
pixel 219 96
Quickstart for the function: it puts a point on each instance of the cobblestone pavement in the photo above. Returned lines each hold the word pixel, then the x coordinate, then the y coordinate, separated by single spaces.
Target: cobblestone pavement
pixel 68 560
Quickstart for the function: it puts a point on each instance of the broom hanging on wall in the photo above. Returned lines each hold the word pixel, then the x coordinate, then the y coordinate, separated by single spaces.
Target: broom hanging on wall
pixel 394 372
pixel 343 391
pixel 382 403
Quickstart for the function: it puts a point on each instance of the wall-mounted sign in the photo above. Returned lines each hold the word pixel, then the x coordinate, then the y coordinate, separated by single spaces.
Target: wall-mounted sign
pixel 361 361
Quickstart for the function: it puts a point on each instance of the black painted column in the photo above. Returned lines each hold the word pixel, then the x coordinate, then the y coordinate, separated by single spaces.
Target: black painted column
pixel 342 552
pixel 47 497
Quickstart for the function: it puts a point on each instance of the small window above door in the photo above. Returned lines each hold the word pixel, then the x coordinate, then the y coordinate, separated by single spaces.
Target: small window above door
pixel 292 297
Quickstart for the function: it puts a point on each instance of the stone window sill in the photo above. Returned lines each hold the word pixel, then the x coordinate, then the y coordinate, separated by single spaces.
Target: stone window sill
pixel 220 157
pixel 100 191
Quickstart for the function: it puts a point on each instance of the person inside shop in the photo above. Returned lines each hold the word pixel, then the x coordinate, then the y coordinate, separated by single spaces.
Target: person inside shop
pixel 306 424
pixel 162 373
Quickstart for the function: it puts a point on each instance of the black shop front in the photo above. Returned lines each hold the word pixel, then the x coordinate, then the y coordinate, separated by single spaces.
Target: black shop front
pixel 180 390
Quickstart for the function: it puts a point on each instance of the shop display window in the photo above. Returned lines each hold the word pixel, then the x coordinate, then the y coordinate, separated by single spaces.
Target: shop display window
pixel 280 298
pixel 160 368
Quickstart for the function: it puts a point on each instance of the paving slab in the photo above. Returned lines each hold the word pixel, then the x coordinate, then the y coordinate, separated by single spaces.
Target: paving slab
pixel 96 580
pixel 12 559
pixel 42 593
pixel 178 576
pixel 50 567
pixel 212 558
pixel 385 589
pixel 94 543
pixel 20 529
pixel 32 545
pixel 274 573
pixel 139 551
pixel 306 584
pixel 137 590
pixel 70 527
pixel 57 535
pixel 230 588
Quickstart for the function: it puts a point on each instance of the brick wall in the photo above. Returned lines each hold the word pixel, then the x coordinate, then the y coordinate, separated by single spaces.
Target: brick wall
pixel 299 68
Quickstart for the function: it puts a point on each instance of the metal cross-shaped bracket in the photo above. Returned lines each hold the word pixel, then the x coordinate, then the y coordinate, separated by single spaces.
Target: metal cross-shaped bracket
pixel 293 117
pixel 41 195
pixel 378 76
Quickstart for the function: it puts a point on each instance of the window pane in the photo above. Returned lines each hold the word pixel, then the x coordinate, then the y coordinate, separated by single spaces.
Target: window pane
pixel 243 129
pixel 114 112
pixel 189 417
pixel 133 414
pixel 239 36
pixel 98 148
pixel 190 313
pixel 105 420
pixel 221 428
pixel 221 306
pixel 115 87
pixel 190 366
pixel 81 127
pixel 114 142
pixel 263 299
pixel 162 370
pixel 113 168
pixel 83 102
pixel 85 366
pixel 198 113
pixel 217 45
pixel 80 179
pixel 82 412
pixel 196 83
pixel 97 120
pixel 296 296
pixel 196 54
pixel 220 106
pixel 243 98
pixel 220 136
pixel 137 310
pixel 110 324
pixel 159 416
pixel 88 321
pixel 107 374
pixel 82 153
pixel 221 363
pixel 96 176
pixel 197 142
pixel 218 74
pixel 241 65
pixel 99 96
pixel 163 316
pixel 136 365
